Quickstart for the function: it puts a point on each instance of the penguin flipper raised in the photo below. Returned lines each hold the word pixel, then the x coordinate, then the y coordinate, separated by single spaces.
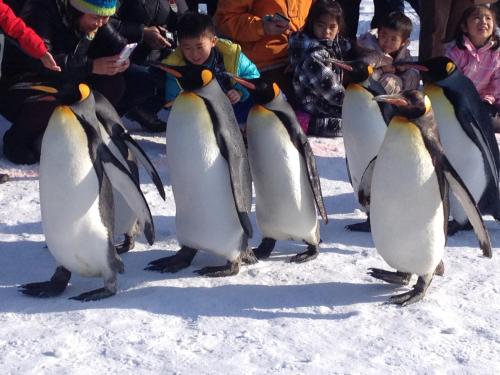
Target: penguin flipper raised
pixel 145 161
pixel 364 189
pixel 299 139
pixel 464 196
pixel 123 181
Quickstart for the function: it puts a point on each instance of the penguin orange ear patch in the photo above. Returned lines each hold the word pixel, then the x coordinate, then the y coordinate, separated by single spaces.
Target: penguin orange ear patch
pixel 276 90
pixel 206 76
pixel 84 91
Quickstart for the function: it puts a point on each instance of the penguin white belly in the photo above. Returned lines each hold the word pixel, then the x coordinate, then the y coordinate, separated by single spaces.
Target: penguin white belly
pixel 462 153
pixel 69 198
pixel 285 205
pixel 406 206
pixel 206 216
pixel 363 129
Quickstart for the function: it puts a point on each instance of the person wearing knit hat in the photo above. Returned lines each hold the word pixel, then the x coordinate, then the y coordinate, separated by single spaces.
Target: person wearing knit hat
pixel 103 8
pixel 86 47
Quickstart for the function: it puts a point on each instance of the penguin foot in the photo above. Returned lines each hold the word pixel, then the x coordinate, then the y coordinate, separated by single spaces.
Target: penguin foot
pixel 265 248
pixel 400 278
pixel 94 295
pixel 439 269
pixel 414 295
pixel 359 227
pixel 4 178
pixel 454 227
pixel 311 253
pixel 248 257
pixel 127 244
pixel 55 286
pixel 182 259
pixel 230 269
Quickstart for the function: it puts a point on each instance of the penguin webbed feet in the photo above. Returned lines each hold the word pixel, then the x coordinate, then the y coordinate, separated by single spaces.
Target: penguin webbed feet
pixel 54 287
pixel 360 227
pixel 229 269
pixel 265 248
pixel 94 295
pixel 399 278
pixel 454 227
pixel 127 244
pixel 414 295
pixel 174 263
pixel 311 253
pixel 248 256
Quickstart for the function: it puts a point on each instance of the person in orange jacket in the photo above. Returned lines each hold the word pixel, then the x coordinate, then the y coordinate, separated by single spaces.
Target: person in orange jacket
pixel 262 35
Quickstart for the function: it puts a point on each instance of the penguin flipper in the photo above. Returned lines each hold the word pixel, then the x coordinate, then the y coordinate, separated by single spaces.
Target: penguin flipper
pixel 123 181
pixel 299 139
pixel 139 153
pixel 364 189
pixel 464 196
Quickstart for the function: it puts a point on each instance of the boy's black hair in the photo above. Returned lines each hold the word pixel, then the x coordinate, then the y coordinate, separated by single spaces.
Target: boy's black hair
pixel 397 21
pixel 192 25
pixel 459 35
pixel 324 7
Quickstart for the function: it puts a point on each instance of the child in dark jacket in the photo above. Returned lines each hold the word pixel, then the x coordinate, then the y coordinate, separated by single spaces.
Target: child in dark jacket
pixel 198 45
pixel 388 45
pixel 318 83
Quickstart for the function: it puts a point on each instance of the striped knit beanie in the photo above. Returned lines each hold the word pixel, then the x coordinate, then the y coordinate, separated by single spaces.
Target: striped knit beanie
pixel 97 7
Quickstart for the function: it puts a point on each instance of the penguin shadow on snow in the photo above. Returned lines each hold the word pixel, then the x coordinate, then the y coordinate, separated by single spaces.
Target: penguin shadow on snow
pixel 230 300
pixel 33 228
pixel 22 260
pixel 325 170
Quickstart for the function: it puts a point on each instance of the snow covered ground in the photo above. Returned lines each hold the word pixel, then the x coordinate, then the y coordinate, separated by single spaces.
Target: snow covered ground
pixel 323 317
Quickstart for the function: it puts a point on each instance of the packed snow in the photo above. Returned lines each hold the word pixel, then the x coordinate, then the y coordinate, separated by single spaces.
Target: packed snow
pixel 326 316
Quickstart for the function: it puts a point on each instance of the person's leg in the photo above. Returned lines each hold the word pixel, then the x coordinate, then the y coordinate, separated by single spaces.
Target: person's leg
pixel 383 8
pixel 433 20
pixel 22 140
pixel 144 96
pixel 351 16
pixel 112 87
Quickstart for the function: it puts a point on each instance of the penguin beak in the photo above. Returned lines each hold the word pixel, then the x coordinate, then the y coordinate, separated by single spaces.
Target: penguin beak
pixel 403 65
pixel 341 64
pixel 48 91
pixel 396 99
pixel 241 81
pixel 168 69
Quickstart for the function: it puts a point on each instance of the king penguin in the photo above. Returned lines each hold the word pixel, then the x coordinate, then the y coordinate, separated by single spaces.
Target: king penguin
pixel 210 176
pixel 125 149
pixel 287 185
pixel 409 197
pixel 78 173
pixel 364 123
pixel 467 136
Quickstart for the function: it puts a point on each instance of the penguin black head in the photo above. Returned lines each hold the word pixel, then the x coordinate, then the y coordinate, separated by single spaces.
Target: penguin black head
pixel 438 68
pixel 354 71
pixel 411 104
pixel 261 91
pixel 66 93
pixel 190 77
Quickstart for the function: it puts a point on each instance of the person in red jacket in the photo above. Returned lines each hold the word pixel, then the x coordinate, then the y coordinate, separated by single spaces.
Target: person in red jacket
pixel 29 42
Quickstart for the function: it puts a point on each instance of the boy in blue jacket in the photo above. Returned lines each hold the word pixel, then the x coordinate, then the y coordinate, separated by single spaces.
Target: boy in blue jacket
pixel 198 45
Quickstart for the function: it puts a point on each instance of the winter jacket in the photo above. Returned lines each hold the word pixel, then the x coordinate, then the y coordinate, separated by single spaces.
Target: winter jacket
pixel 16 29
pixel 131 18
pixel 241 21
pixel 392 82
pixel 233 59
pixel 318 83
pixel 481 66
pixel 50 20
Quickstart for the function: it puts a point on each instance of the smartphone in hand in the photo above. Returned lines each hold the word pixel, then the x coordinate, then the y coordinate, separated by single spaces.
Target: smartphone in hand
pixel 126 52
